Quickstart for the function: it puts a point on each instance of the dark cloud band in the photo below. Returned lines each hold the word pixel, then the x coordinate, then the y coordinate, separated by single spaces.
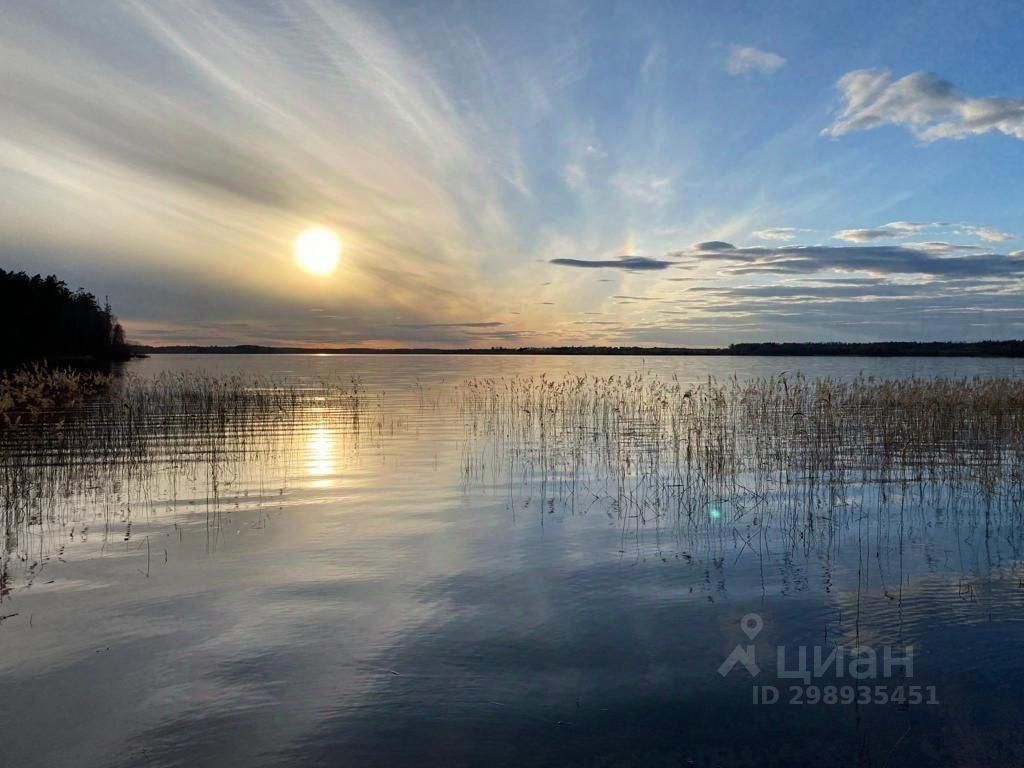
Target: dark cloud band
pixel 630 263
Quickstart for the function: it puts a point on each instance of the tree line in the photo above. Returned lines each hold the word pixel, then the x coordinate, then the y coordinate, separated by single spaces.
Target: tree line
pixel 1009 348
pixel 43 319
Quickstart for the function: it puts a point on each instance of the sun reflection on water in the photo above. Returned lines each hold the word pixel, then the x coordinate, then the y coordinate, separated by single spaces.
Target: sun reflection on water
pixel 320 458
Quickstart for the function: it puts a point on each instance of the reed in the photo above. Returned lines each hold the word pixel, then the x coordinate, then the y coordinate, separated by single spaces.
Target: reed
pixel 794 455
pixel 784 451
pixel 31 391
pixel 939 428
pixel 128 439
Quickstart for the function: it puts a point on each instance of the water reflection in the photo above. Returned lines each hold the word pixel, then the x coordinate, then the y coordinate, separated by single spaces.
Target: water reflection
pixel 320 452
pixel 407 573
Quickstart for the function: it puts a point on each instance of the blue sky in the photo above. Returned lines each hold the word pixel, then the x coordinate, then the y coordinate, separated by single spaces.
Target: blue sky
pixel 519 174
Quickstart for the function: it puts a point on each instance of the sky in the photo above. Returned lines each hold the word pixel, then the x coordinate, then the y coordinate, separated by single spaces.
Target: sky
pixel 521 174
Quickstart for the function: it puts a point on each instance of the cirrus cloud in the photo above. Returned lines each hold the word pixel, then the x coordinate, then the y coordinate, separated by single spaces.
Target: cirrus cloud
pixel 746 60
pixel 777 233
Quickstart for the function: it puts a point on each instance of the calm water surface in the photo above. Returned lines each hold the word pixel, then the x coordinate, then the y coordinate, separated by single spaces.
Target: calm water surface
pixel 402 587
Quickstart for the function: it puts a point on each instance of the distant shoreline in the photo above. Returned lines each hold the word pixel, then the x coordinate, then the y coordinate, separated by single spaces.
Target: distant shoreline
pixel 1008 349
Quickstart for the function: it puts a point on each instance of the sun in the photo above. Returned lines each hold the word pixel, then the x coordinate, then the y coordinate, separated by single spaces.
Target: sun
pixel 318 250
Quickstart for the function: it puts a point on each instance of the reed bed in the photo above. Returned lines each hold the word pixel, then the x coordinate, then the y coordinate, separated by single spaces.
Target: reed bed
pixel 30 391
pixel 934 428
pixel 174 416
pixel 788 453
pixel 792 424
pixel 798 454
pixel 135 440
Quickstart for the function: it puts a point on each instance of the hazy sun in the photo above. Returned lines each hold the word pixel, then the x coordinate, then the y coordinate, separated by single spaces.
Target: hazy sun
pixel 317 251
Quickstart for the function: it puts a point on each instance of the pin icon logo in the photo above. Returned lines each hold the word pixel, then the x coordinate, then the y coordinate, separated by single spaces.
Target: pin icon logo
pixel 751 624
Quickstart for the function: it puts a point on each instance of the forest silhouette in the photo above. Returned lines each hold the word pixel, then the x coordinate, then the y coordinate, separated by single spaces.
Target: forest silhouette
pixel 43 319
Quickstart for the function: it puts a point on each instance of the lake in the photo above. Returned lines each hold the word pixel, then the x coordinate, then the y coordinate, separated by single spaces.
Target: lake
pixel 393 560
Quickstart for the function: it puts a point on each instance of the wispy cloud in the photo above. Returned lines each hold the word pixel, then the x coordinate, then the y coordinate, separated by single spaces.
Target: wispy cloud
pixel 923 103
pixel 864 235
pixel 214 136
pixel 575 175
pixel 777 233
pixel 650 188
pixel 745 60
pixel 940 246
pixel 911 227
pixel 168 155
pixel 989 234
pixel 905 229
pixel 874 304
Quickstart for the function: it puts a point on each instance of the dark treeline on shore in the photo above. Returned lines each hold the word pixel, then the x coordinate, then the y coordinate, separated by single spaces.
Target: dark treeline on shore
pixel 1012 348
pixel 1009 348
pixel 44 320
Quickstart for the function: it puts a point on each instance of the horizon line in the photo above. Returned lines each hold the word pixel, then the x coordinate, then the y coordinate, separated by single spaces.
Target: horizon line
pixel 984 348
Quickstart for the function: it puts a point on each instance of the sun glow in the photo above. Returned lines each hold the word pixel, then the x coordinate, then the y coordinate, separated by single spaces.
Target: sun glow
pixel 320 454
pixel 318 251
